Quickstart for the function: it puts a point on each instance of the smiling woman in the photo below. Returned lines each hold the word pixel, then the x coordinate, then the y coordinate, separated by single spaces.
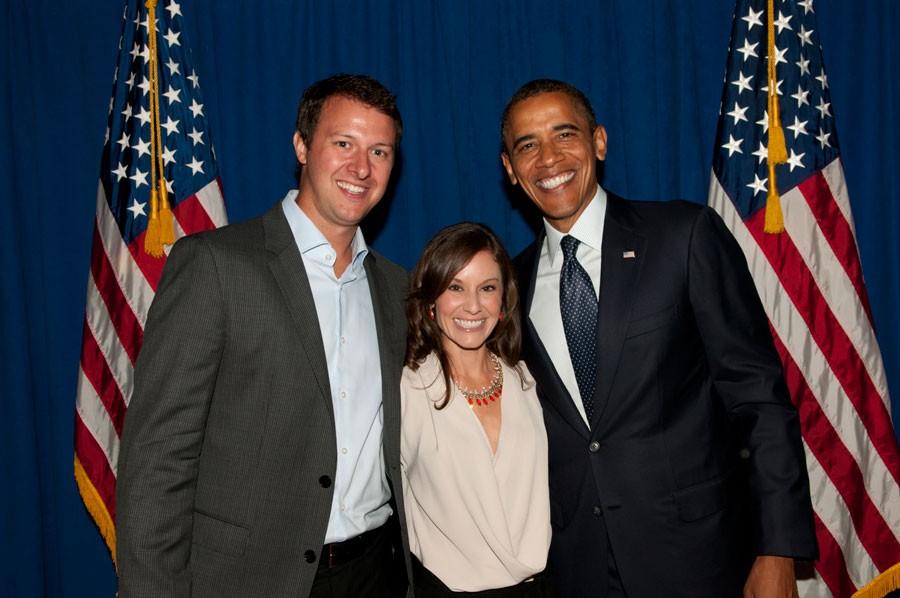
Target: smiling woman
pixel 473 445
pixel 469 309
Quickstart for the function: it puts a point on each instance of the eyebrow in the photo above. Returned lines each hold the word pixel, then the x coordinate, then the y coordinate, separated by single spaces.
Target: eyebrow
pixel 355 137
pixel 491 279
pixel 559 127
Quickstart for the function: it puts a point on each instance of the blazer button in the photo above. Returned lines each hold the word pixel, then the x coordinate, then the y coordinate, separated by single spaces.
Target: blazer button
pixel 597 511
pixel 324 481
pixel 309 556
pixel 594 446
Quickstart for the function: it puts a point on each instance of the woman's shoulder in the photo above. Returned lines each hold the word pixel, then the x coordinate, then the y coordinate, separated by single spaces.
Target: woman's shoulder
pixel 425 368
pixel 521 372
pixel 425 376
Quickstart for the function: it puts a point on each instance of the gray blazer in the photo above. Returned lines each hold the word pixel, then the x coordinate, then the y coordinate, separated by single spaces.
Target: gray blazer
pixel 230 432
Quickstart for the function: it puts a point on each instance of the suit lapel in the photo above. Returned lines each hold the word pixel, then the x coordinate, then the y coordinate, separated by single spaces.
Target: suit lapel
pixel 550 386
pixel 286 265
pixel 623 255
pixel 390 359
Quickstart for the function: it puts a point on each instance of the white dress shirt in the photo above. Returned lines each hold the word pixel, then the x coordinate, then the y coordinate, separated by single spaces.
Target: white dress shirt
pixel 347 322
pixel 545 311
pixel 478 520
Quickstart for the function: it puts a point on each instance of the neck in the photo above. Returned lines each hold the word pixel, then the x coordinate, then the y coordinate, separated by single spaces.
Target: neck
pixel 339 237
pixel 469 364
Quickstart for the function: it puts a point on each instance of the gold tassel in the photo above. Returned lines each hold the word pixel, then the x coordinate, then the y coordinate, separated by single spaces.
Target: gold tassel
pixel 777 153
pixel 160 226
pixel 774 222
pixel 96 507
pixel 882 585
pixel 166 221
pixel 777 145
pixel 152 243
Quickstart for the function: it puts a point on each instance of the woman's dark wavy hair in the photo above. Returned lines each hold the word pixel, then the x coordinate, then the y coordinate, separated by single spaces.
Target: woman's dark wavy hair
pixel 446 254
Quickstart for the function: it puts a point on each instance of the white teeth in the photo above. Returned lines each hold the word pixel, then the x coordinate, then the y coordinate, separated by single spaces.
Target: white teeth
pixel 468 324
pixel 355 189
pixel 556 181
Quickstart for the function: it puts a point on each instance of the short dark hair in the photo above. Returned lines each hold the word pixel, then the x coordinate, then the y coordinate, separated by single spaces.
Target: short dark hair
pixel 361 88
pixel 444 256
pixel 539 86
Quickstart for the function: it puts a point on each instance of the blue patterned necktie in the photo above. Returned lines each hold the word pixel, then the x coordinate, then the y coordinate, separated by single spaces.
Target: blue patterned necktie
pixel 578 305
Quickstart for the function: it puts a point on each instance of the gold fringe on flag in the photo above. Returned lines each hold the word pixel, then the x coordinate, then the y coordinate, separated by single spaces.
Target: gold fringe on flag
pixel 777 148
pixel 160 227
pixel 96 507
pixel 882 585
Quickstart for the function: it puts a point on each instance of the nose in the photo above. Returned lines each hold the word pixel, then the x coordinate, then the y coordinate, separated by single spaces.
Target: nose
pixel 359 165
pixel 472 303
pixel 549 154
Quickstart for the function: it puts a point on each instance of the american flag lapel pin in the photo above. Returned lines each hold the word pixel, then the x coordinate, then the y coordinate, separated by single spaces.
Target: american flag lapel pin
pixel 628 255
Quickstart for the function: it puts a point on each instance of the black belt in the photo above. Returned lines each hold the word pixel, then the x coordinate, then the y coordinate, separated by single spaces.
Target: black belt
pixel 338 553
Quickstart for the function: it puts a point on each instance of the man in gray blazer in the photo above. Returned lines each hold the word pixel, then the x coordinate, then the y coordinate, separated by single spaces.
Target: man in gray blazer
pixel 260 455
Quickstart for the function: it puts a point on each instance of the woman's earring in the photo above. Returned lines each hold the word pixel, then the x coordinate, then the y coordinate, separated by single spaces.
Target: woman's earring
pixel 431 312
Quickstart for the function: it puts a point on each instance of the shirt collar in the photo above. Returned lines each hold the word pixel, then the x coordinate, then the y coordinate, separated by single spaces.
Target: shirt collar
pixel 308 237
pixel 588 228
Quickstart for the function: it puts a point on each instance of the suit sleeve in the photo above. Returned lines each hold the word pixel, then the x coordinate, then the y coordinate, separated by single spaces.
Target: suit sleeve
pixel 747 376
pixel 174 380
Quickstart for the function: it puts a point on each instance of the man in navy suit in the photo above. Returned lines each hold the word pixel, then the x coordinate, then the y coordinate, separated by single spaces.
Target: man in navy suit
pixel 676 464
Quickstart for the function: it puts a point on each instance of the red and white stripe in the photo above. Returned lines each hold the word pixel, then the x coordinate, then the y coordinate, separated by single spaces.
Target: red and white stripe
pixel 120 289
pixel 810 282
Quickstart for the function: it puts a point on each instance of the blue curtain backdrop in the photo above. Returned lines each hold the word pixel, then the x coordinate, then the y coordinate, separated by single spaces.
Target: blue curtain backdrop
pixel 653 69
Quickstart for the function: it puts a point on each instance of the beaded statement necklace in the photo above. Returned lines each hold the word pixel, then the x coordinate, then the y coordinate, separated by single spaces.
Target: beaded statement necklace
pixel 486 394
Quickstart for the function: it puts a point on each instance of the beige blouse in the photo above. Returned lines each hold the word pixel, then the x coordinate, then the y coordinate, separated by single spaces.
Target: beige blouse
pixel 476 520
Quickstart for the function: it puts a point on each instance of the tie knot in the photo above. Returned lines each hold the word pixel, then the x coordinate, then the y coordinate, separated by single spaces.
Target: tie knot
pixel 569 245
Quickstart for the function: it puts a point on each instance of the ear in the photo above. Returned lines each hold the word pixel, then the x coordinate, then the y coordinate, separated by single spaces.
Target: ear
pixel 300 148
pixel 600 142
pixel 504 157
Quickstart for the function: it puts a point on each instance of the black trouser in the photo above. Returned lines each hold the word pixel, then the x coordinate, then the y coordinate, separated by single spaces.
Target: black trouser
pixel 370 575
pixel 428 585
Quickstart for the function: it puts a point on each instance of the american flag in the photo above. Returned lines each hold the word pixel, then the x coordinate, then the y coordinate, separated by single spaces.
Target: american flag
pixel 810 281
pixel 123 276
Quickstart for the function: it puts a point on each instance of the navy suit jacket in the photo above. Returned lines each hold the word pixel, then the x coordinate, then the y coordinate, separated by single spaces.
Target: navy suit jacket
pixel 693 462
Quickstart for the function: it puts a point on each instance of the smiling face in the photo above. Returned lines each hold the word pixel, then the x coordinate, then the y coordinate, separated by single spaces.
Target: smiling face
pixel 347 165
pixel 552 153
pixel 468 310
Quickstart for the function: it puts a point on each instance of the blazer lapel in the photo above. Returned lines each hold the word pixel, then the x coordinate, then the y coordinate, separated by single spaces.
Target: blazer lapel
pixel 391 360
pixel 623 254
pixel 550 387
pixel 286 265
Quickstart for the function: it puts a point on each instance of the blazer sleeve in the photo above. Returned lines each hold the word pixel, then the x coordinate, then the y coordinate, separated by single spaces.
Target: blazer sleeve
pixel 747 376
pixel 174 380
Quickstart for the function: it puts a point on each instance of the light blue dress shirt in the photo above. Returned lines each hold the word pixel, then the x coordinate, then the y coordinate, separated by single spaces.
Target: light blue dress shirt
pixel 347 322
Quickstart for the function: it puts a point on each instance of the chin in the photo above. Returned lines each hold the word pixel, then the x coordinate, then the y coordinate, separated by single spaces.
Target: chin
pixel 468 344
